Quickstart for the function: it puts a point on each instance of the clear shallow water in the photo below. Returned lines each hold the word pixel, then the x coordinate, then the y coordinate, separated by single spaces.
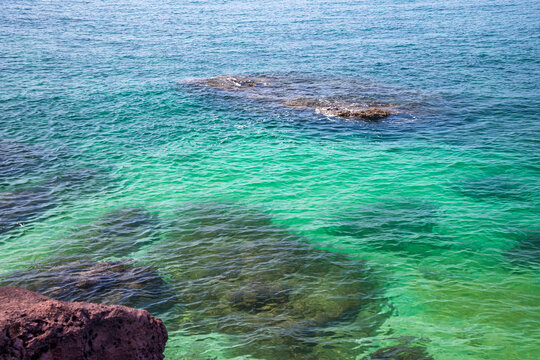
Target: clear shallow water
pixel 439 203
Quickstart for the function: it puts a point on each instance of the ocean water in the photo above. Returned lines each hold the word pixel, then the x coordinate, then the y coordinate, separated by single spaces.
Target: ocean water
pixel 262 231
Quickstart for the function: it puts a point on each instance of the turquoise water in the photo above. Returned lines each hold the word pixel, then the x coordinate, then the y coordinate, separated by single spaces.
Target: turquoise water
pixel 108 153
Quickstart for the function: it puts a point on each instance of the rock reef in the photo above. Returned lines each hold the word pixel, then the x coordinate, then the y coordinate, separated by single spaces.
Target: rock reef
pixel 33 326
pixel 399 352
pixel 329 98
pixel 237 273
pixel 394 224
pixel 117 233
pixel 17 208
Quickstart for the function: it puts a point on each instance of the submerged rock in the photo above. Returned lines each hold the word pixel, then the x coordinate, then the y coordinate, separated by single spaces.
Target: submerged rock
pixel 239 274
pixel 399 352
pixel 78 181
pixel 19 207
pixel 33 326
pixel 17 159
pixel 117 233
pixel 495 188
pixel 394 225
pixel 527 252
pixel 111 282
pixel 324 97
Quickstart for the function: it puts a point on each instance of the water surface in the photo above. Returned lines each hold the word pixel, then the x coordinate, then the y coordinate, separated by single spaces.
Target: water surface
pixel 107 155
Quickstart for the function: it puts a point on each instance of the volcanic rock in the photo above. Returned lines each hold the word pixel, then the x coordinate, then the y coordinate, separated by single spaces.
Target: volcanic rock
pixel 33 326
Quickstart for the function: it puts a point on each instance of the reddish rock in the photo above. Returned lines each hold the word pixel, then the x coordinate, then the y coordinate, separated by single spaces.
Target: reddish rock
pixel 33 326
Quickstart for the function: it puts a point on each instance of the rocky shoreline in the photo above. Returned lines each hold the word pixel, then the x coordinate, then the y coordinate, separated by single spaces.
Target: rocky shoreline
pixel 33 326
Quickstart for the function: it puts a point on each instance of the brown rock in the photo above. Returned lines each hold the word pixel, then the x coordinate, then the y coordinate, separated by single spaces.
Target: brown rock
pixel 324 96
pixel 369 114
pixel 33 326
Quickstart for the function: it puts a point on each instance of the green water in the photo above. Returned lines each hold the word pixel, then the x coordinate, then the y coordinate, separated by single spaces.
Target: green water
pixel 441 201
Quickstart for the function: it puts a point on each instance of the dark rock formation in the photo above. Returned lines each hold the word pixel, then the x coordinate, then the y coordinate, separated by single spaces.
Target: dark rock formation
pixel 19 207
pixel 117 233
pixel 399 352
pixel 33 326
pixel 111 282
pixel 398 224
pixel 18 158
pixel 239 274
pixel 527 252
pixel 370 114
pixel 324 97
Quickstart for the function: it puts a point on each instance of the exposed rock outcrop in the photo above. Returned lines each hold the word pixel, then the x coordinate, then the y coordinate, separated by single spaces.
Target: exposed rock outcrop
pixel 33 326
pixel 323 97
pixel 109 283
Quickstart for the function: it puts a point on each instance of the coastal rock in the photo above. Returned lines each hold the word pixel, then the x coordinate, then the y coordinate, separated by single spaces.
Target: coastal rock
pixel 110 282
pixel 237 273
pixel 370 114
pixel 33 326
pixel 324 97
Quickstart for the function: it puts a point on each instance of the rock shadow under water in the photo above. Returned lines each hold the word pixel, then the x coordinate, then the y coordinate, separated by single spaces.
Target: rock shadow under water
pixel 526 253
pixel 19 207
pixel 239 274
pixel 109 283
pixel 397 225
pixel 118 233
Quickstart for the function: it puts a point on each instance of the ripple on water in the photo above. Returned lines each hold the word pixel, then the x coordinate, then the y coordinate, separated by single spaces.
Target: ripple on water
pixel 397 224
pixel 527 252
pixel 403 348
pixel 117 233
pixel 18 159
pixel 19 207
pixel 238 274
pixel 494 188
